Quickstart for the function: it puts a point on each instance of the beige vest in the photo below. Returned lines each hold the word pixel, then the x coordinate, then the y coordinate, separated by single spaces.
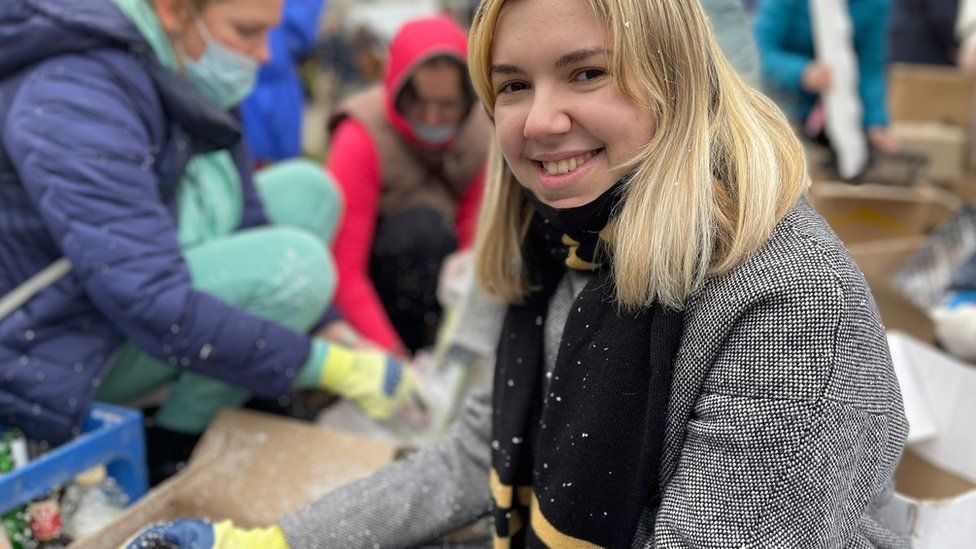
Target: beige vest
pixel 409 176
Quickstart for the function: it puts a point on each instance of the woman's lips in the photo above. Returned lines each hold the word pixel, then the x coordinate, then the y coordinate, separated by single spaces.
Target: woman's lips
pixel 565 171
pixel 564 166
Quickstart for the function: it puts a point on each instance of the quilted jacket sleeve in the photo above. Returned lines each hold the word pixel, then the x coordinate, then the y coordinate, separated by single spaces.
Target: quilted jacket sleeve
pixel 81 140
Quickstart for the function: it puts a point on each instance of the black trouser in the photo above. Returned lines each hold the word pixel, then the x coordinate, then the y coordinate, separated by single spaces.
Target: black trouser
pixel 408 249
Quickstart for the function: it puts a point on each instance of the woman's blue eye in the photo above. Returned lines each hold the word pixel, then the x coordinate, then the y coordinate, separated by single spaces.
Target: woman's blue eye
pixel 513 87
pixel 589 74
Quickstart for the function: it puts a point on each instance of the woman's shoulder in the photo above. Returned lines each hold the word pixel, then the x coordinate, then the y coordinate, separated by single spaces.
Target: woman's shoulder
pixel 804 239
pixel 802 258
pixel 80 93
pixel 106 71
pixel 794 318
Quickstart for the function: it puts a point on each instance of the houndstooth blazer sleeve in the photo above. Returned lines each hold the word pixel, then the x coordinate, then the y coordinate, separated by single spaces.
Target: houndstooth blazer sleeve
pixel 786 420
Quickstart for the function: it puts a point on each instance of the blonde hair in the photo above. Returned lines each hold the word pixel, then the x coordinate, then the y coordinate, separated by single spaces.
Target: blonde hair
pixel 721 170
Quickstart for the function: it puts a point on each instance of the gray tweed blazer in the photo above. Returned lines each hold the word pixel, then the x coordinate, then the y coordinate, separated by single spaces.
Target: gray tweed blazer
pixel 784 427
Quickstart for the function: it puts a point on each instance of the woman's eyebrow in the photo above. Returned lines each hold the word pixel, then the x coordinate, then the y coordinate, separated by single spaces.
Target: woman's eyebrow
pixel 564 61
pixel 502 68
pixel 580 55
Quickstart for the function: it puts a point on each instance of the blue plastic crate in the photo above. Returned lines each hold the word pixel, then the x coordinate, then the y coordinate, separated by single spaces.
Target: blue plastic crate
pixel 111 436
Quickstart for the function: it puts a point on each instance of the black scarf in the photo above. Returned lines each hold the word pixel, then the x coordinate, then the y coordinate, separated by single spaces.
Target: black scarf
pixel 582 462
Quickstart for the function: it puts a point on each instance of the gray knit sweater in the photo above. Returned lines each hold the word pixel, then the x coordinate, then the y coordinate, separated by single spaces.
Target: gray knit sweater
pixel 784 426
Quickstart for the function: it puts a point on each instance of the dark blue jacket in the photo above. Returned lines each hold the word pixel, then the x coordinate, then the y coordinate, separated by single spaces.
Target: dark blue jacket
pixel 272 114
pixel 94 137
pixel 785 37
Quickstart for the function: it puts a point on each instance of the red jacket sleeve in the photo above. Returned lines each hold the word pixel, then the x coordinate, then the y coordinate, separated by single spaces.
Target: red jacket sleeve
pixel 466 224
pixel 354 163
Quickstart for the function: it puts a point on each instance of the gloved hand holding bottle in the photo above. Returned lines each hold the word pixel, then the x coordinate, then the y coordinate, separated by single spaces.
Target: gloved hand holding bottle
pixel 199 534
pixel 382 386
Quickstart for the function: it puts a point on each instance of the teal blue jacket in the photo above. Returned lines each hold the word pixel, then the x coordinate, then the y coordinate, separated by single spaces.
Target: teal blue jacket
pixel 783 32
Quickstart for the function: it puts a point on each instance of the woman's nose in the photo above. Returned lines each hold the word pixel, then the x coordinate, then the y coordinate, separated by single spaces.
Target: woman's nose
pixel 547 116
pixel 432 115
pixel 263 53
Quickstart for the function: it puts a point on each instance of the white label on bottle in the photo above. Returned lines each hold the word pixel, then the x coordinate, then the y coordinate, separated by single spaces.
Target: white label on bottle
pixel 18 450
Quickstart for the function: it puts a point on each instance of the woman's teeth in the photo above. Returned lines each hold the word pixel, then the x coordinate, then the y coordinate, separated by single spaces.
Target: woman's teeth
pixel 565 166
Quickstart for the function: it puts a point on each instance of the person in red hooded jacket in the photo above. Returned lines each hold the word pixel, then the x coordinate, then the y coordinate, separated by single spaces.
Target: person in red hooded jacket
pixel 409 157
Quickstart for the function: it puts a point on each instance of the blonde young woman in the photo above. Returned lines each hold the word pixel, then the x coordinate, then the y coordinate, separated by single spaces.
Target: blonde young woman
pixel 689 357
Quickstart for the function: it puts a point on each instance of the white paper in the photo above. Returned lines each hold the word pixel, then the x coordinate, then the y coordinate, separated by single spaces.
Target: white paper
pixel 947 388
pixel 921 425
pixel 833 36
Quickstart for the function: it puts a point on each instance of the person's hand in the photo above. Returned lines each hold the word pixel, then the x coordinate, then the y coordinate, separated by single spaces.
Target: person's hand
pixel 451 281
pixel 882 140
pixel 967 56
pixel 198 534
pixel 955 324
pixel 816 77
pixel 381 385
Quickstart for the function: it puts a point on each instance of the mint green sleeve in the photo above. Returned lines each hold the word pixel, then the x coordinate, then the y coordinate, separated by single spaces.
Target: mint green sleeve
pixel 310 374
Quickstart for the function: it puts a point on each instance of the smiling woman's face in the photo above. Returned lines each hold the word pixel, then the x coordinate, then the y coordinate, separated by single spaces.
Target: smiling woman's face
pixel 562 123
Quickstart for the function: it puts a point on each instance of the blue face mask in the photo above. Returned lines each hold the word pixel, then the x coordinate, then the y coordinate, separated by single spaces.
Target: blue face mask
pixel 222 75
pixel 434 135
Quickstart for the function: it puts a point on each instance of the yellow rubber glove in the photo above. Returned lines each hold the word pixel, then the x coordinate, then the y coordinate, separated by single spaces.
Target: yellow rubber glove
pixel 199 534
pixel 227 536
pixel 380 384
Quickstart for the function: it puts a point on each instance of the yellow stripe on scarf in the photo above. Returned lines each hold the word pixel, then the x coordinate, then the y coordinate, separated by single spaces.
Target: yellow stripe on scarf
pixel 543 529
pixel 573 261
pixel 514 525
pixel 501 492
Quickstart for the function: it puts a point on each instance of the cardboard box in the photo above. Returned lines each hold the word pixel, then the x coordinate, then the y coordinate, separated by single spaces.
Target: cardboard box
pixel 252 468
pixel 900 313
pixel 869 213
pixel 936 479
pixel 882 258
pixel 926 93
pixel 883 227
pixel 878 261
pixel 965 188
pixel 943 146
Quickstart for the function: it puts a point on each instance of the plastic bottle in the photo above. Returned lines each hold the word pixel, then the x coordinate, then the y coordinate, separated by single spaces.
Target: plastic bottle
pixel 14 523
pixel 14 444
pixel 45 521
pixel 16 531
pixel 93 501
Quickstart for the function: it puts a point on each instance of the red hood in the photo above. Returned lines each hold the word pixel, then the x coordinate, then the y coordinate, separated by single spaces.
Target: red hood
pixel 417 41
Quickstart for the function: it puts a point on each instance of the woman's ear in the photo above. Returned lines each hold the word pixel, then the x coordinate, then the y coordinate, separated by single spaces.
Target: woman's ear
pixel 174 15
